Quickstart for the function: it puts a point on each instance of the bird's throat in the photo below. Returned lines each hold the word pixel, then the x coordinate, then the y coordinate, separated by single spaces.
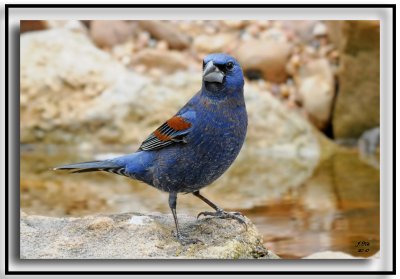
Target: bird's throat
pixel 214 87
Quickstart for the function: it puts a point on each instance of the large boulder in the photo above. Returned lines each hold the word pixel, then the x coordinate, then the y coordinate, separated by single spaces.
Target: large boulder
pixel 62 74
pixel 357 104
pixel 136 236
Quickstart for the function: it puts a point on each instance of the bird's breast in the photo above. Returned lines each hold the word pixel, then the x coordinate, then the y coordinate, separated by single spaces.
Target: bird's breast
pixel 220 132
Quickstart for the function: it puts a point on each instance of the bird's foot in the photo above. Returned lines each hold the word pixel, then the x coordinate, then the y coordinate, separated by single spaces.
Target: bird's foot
pixel 225 215
pixel 184 240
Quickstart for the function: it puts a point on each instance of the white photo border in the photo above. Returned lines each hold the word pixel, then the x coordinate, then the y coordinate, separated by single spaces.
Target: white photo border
pixel 15 12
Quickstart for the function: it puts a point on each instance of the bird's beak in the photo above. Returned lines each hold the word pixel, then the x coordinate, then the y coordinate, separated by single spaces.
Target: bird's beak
pixel 212 73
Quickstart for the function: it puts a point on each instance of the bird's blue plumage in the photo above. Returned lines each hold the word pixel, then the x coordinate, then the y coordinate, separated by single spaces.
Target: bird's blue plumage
pixel 218 121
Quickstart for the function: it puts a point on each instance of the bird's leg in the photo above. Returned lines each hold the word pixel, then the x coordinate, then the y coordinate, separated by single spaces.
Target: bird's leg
pixel 219 212
pixel 172 204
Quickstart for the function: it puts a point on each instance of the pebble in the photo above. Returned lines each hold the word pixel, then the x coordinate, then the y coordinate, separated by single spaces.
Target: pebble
pixel 162 45
pixel 320 30
pixel 284 91
pixel 253 30
pixel 143 39
pixel 235 24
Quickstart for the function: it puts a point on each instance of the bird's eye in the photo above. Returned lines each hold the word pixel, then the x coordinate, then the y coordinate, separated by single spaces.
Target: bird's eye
pixel 229 65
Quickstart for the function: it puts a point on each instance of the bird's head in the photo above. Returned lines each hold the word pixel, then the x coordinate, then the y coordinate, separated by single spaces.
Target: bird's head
pixel 222 74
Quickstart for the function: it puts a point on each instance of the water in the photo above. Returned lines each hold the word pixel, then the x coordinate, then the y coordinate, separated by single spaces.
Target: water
pixel 332 207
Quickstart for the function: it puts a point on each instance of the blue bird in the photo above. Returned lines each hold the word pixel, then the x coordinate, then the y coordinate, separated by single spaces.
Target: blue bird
pixel 193 148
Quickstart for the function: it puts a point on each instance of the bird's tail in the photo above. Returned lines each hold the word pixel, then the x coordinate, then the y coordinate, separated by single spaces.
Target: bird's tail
pixel 106 165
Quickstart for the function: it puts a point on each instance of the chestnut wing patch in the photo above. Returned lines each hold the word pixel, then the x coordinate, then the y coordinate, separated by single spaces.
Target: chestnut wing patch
pixel 168 133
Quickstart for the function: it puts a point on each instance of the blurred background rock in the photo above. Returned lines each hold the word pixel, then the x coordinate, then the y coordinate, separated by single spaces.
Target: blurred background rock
pixel 91 88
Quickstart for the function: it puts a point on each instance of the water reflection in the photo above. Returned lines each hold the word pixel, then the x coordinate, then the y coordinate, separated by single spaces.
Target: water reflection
pixel 299 211
pixel 333 210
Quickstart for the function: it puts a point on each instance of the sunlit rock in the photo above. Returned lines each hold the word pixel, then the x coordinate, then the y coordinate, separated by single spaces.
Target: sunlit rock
pixel 136 236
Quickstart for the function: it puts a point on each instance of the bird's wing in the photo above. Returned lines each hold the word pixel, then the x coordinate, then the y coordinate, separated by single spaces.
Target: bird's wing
pixel 172 131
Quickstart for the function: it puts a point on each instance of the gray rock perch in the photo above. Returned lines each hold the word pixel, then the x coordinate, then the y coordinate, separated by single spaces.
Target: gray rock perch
pixel 137 236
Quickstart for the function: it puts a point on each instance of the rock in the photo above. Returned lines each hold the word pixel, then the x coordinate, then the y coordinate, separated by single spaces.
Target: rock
pixel 32 25
pixel 331 255
pixel 335 32
pixel 303 29
pixel 108 33
pixel 235 24
pixel 316 89
pixel 369 141
pixel 137 236
pixel 143 40
pixel 167 31
pixel 364 181
pixel 319 30
pixel 215 43
pixel 253 29
pixel 338 255
pixel 357 104
pixel 162 45
pixel 274 34
pixel 61 73
pixel 168 61
pixel 192 29
pixel 123 52
pixel 73 25
pixel 264 59
pixel 368 146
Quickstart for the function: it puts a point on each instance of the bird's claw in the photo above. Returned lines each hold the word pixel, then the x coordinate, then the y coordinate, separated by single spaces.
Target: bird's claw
pixel 225 215
pixel 187 241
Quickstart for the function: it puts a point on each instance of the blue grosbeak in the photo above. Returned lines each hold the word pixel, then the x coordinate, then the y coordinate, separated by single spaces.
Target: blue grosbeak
pixel 193 148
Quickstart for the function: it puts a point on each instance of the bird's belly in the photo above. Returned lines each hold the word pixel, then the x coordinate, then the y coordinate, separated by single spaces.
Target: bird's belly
pixel 189 167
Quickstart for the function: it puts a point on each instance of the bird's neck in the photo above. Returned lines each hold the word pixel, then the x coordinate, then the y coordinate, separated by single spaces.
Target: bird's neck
pixel 232 97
